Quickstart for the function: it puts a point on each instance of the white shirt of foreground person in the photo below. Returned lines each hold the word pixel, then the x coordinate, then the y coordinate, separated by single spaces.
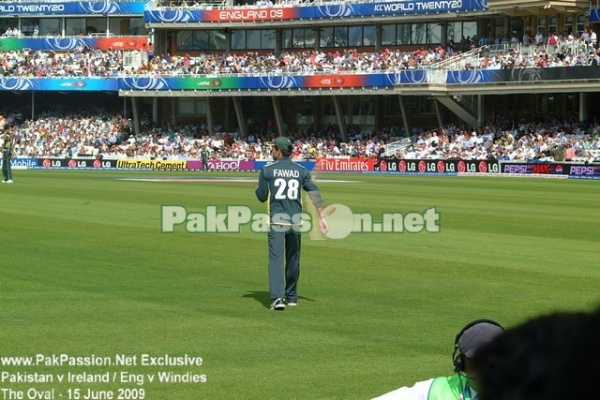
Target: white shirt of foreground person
pixel 458 386
pixel 420 391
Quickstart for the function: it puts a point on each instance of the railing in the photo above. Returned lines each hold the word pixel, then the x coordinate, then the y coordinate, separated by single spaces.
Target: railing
pixel 458 61
pixel 43 36
pixel 392 148
pixel 474 57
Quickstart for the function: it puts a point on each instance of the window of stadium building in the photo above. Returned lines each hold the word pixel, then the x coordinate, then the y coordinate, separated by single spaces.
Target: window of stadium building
pixel 298 38
pixel 30 26
pixel 41 26
pixel 417 33
pixel 115 26
pixel 569 24
pixel 580 23
pixel 84 26
pixel 457 30
pixel 552 24
pixel 200 40
pixel 340 36
pixel 549 24
pixel 253 39
pixel 128 26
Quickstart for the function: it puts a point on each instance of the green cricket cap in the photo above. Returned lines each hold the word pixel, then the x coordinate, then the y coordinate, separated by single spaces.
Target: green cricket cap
pixel 282 143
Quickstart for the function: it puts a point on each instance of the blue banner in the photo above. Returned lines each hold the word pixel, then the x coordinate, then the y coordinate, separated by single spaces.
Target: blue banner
pixel 59 84
pixel 72 43
pixel 320 12
pixel 10 8
pixel 270 82
pixel 22 163
pixel 527 75
pixel 309 165
pixel 267 82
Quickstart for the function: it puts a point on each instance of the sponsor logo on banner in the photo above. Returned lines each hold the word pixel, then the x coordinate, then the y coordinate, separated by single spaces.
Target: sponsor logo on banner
pixel 402 166
pixel 223 165
pixel 23 163
pixel 516 169
pixel 535 168
pixel 104 164
pixel 483 166
pixel 353 164
pixel 413 166
pixel 487 166
pixel 383 165
pixel 50 163
pixel 585 171
pixel 441 166
pixel 164 165
pixel 73 163
pixel 392 164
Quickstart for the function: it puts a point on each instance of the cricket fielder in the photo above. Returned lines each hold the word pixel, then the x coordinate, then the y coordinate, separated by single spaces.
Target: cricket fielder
pixel 281 183
pixel 7 149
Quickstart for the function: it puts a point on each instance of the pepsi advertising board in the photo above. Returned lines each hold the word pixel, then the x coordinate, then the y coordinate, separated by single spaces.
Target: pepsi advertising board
pixel 536 168
pixel 572 171
pixel 586 171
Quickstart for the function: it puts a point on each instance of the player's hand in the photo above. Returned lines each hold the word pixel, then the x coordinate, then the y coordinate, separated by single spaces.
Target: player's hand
pixel 323 225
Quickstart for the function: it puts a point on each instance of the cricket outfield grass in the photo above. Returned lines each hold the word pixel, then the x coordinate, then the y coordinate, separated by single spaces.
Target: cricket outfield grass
pixel 93 293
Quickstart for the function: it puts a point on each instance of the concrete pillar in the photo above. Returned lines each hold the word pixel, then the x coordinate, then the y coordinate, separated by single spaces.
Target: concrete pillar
pixel 239 113
pixel 404 116
pixel 209 118
pixel 341 120
pixel 278 118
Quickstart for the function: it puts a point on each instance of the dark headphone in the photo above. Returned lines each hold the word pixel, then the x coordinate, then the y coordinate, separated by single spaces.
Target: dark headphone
pixel 458 359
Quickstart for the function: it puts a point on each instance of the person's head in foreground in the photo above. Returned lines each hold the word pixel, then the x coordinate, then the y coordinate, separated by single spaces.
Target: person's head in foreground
pixel 467 343
pixel 552 357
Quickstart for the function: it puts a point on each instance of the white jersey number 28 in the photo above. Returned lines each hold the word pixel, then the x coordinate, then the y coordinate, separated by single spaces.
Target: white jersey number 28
pixel 286 190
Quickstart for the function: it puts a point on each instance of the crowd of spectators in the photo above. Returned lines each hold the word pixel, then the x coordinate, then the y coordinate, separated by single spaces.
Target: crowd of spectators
pixel 86 62
pixel 551 141
pixel 110 136
pixel 82 62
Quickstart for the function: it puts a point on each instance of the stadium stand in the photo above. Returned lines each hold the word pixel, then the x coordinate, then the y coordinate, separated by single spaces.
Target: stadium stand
pixel 109 136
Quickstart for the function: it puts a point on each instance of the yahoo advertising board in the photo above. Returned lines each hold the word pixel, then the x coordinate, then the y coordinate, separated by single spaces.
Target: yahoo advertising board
pixel 222 165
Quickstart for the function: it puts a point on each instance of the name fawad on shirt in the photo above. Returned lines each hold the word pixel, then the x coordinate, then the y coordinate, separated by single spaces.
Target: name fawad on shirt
pixel 286 173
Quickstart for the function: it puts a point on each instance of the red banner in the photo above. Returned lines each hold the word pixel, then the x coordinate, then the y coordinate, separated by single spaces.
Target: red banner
pixel 122 43
pixel 249 14
pixel 334 81
pixel 345 164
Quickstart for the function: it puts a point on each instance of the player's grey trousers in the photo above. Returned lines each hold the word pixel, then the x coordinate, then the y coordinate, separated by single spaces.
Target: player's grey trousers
pixel 6 169
pixel 284 257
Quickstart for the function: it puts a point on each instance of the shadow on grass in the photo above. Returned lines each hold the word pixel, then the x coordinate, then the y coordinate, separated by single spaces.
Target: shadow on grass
pixel 264 297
